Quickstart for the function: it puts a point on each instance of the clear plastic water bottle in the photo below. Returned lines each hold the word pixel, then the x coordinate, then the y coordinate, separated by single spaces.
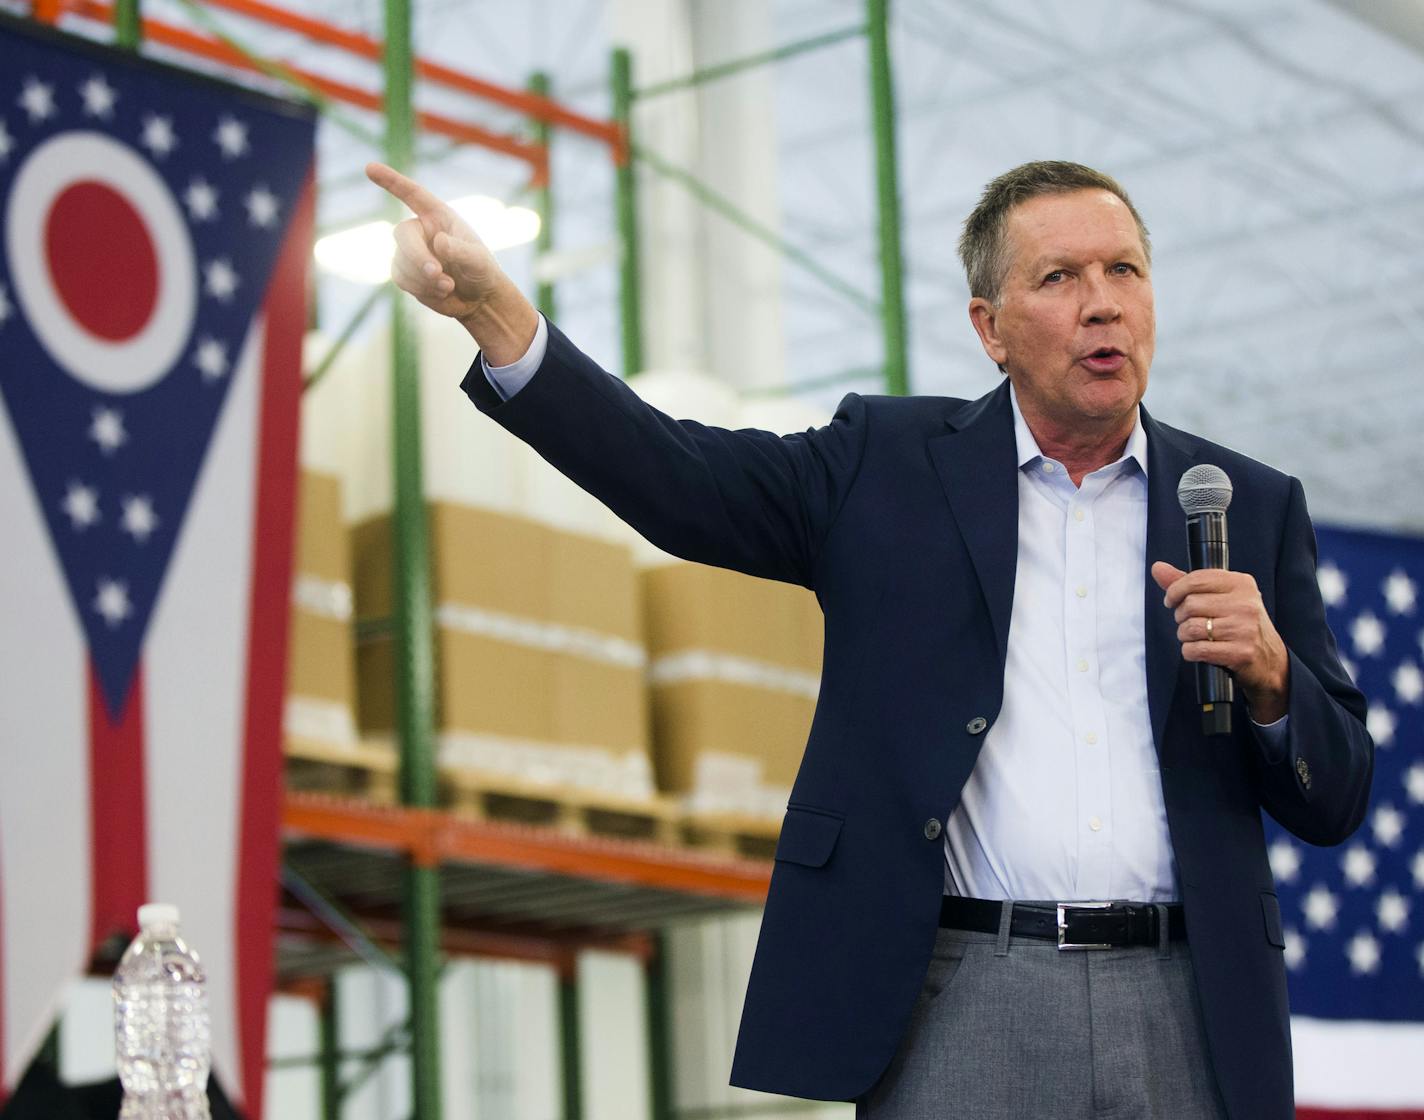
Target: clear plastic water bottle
pixel 162 1036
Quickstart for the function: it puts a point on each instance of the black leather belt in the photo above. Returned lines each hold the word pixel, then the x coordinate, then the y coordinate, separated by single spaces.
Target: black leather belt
pixel 1073 925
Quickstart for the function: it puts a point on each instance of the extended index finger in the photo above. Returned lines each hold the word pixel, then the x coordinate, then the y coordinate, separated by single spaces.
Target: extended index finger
pixel 420 200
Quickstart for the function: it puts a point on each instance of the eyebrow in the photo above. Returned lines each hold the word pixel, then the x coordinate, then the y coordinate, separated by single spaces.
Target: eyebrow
pixel 1063 257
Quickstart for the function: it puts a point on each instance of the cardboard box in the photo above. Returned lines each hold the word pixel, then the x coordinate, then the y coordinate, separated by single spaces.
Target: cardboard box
pixel 734 672
pixel 321 675
pixel 539 659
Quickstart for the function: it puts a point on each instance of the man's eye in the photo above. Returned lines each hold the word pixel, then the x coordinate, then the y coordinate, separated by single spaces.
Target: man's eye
pixel 1054 276
pixel 1122 268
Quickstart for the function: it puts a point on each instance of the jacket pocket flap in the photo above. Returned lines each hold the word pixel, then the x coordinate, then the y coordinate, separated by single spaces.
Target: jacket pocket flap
pixel 807 837
pixel 1271 908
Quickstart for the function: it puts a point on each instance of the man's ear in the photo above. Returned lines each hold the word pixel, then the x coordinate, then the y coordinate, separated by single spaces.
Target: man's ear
pixel 984 316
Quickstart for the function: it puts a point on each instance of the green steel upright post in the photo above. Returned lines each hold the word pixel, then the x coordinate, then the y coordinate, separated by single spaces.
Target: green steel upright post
pixel 415 676
pixel 569 1044
pixel 329 1051
pixel 887 189
pixel 543 201
pixel 128 26
pixel 628 297
pixel 659 1009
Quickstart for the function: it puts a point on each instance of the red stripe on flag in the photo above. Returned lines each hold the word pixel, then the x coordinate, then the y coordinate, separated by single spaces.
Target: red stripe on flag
pixel 285 311
pixel 118 810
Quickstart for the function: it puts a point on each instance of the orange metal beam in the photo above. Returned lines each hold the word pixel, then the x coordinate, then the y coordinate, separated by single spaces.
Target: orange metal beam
pixel 443 836
pixel 530 105
pixel 216 50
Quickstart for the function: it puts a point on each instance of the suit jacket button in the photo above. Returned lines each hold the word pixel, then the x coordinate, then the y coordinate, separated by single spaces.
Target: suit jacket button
pixel 976 725
pixel 932 829
pixel 1302 769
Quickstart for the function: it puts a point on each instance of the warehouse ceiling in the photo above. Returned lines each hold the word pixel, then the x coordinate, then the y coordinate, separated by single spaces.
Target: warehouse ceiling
pixel 1274 147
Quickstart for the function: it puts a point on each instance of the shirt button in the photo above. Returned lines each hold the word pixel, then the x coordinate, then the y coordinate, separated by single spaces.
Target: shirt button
pixel 1080 591
pixel 976 725
pixel 1082 665
pixel 1095 824
pixel 932 829
pixel 1078 515
pixel 1090 738
pixel 1049 468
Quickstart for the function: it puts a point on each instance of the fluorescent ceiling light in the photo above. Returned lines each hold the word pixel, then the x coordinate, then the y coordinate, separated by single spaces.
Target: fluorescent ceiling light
pixel 363 253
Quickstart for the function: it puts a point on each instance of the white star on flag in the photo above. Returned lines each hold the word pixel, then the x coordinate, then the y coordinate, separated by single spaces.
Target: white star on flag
pixel 139 518
pixel 1392 911
pixel 1414 783
pixel 1408 683
pixel 1399 592
pixel 112 601
pixel 107 429
pixel 158 135
pixel 1387 825
pixel 81 503
pixel 1416 868
pixel 99 97
pixel 1295 949
pixel 231 137
pixel 1358 863
pixel 1368 634
pixel 1380 723
pixel 211 359
pixel 1351 669
pixel 219 279
pixel 4 305
pixel 1285 861
pixel 1332 583
pixel 37 100
pixel 1364 953
pixel 261 207
pixel 1320 907
pixel 202 200
pixel 7 142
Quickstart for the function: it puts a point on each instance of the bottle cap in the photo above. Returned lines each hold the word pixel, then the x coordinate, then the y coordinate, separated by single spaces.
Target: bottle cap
pixel 157 914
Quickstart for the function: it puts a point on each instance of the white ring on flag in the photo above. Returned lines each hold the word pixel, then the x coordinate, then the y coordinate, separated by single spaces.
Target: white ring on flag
pixel 113 367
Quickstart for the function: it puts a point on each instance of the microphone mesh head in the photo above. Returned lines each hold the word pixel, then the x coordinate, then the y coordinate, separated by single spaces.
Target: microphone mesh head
pixel 1204 489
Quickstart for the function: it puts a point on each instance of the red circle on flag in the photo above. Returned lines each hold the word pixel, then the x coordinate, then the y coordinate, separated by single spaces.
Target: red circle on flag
pixel 93 236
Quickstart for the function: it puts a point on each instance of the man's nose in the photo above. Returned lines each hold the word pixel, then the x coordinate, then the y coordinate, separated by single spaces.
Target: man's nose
pixel 1100 302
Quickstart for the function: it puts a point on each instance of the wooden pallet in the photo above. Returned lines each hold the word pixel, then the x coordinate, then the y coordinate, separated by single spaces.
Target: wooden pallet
pixel 731 833
pixel 367 769
pixel 482 795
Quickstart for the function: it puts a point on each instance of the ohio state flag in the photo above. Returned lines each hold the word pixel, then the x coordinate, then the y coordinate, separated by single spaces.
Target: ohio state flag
pixel 155 229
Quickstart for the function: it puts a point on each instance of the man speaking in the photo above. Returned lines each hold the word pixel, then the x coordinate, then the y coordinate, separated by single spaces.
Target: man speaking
pixel 1016 877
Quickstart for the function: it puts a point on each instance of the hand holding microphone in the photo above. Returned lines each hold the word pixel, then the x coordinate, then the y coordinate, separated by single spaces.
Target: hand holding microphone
pixel 1221 620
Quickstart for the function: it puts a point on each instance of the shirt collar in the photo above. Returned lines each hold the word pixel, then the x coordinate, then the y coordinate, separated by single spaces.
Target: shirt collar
pixel 1029 451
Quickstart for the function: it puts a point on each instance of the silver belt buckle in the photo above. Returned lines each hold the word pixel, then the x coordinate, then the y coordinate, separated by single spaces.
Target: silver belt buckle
pixel 1063 908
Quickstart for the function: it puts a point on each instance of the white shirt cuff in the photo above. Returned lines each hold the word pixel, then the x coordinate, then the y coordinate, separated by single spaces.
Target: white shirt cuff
pixel 508 380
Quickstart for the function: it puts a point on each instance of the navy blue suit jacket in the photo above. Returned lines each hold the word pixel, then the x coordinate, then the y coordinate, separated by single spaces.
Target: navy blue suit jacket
pixel 902 516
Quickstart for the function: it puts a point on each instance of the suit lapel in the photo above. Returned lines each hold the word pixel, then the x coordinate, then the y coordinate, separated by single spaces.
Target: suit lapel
pixel 977 466
pixel 1168 455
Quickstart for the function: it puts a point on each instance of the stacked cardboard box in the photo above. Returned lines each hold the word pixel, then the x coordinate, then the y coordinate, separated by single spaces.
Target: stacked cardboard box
pixel 735 668
pixel 539 661
pixel 319 725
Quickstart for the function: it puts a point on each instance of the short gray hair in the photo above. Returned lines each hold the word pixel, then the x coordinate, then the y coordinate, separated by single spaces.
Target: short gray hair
pixel 982 245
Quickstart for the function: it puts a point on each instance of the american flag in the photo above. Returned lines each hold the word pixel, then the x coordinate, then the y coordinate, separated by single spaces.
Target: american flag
pixel 1354 914
pixel 154 235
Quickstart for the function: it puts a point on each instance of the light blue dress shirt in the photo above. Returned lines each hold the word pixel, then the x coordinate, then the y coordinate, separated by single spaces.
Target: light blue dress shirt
pixel 1065 801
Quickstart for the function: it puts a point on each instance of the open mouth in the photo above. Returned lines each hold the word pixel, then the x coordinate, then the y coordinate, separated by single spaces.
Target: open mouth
pixel 1105 359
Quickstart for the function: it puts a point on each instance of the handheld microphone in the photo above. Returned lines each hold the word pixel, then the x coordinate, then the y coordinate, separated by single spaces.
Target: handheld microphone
pixel 1204 493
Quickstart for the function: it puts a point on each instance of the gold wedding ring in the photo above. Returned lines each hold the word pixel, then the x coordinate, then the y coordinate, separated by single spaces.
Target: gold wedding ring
pixel 1208 631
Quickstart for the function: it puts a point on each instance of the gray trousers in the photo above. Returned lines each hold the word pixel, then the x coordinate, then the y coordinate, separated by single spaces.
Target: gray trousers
pixel 1013 1029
